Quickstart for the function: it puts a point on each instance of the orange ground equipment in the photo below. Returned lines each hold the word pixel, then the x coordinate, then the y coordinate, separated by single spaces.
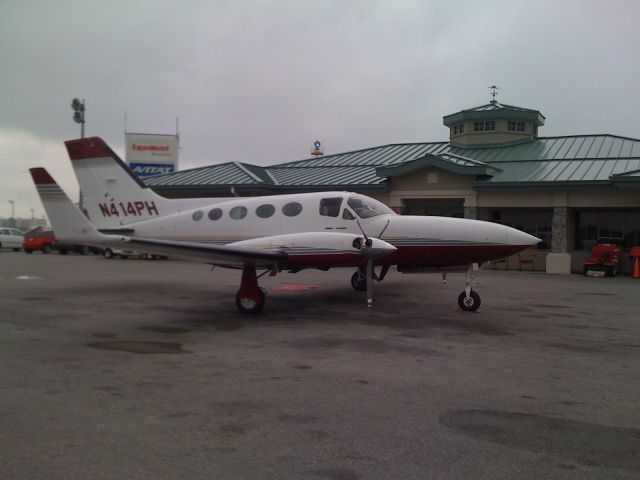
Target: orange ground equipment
pixel 604 260
pixel 634 253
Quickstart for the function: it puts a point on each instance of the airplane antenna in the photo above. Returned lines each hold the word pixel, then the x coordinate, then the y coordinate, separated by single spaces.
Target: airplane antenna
pixel 494 92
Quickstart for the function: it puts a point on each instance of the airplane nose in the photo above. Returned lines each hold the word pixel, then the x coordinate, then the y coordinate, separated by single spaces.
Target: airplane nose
pixel 516 237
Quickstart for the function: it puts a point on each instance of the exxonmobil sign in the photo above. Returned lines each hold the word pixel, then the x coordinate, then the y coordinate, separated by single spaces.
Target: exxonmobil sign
pixel 150 154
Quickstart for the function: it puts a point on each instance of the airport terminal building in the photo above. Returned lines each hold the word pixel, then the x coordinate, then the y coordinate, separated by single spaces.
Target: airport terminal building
pixel 569 191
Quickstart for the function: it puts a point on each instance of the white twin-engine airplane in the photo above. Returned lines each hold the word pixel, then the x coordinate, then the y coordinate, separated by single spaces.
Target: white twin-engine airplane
pixel 270 233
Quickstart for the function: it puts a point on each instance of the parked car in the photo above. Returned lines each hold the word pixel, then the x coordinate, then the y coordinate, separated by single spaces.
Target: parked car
pixel 39 238
pixel 11 238
pixel 44 239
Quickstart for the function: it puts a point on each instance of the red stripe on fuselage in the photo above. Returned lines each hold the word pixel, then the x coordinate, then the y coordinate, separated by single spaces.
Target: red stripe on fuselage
pixel 414 256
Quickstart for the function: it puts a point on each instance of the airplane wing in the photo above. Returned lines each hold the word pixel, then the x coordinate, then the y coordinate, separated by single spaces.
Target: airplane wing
pixel 72 226
pixel 215 254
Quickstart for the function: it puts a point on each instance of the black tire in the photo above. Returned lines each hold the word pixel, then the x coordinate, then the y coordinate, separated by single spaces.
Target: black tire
pixel 85 250
pixel 359 282
pixel 471 304
pixel 108 253
pixel 124 257
pixel 16 249
pixel 46 249
pixel 249 305
pixel 64 252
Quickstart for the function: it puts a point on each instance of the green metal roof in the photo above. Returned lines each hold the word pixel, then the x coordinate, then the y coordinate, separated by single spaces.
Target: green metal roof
pixel 552 161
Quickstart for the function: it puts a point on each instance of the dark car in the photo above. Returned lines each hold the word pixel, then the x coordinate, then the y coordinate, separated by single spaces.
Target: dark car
pixel 44 239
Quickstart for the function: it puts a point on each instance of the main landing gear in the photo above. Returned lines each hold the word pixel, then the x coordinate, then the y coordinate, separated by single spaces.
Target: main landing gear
pixel 469 300
pixel 250 297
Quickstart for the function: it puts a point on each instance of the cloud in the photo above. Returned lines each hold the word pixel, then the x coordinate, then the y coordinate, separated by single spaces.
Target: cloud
pixel 20 151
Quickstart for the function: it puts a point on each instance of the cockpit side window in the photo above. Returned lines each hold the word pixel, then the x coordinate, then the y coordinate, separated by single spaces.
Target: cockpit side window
pixel 347 215
pixel 366 207
pixel 330 207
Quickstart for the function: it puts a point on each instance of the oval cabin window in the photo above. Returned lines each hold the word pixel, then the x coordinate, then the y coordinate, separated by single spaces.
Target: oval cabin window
pixel 215 214
pixel 265 211
pixel 292 209
pixel 238 212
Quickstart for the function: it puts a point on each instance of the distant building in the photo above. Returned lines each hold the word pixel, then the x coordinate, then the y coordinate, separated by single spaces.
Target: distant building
pixel 569 191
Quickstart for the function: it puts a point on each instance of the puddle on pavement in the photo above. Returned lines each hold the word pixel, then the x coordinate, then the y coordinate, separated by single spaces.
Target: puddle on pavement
pixel 585 443
pixel 164 329
pixel 141 347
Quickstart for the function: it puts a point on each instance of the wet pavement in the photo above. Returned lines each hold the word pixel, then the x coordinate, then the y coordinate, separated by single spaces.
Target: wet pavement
pixel 144 369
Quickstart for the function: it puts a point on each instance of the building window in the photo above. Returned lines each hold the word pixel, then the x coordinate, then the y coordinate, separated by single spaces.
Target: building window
pixel 484 126
pixel 238 212
pixel 458 129
pixel 265 211
pixel 197 215
pixel 292 209
pixel 600 225
pixel 515 126
pixel 533 222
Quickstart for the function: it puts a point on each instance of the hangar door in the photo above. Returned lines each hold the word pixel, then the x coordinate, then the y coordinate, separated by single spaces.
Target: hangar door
pixel 442 207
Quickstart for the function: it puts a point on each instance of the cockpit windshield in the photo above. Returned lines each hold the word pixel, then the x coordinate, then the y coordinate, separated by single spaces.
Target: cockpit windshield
pixel 366 207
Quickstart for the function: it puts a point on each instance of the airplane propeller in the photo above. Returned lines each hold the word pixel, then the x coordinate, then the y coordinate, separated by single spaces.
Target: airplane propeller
pixel 368 253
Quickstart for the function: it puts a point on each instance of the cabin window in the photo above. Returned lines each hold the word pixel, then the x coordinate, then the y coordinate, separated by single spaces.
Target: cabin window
pixel 197 215
pixel 238 212
pixel 330 207
pixel 265 211
pixel 215 214
pixel 347 215
pixel 292 209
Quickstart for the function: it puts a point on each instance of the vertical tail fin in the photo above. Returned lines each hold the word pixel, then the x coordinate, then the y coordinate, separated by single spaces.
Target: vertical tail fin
pixel 67 220
pixel 112 194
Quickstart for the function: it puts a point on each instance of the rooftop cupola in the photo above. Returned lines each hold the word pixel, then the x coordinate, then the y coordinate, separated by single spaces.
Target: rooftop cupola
pixel 493 124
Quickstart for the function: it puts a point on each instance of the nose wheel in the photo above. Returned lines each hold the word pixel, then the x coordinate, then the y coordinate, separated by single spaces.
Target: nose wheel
pixel 469 300
pixel 469 303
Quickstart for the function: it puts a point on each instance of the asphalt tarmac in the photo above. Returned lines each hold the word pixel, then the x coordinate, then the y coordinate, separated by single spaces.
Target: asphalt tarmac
pixel 136 369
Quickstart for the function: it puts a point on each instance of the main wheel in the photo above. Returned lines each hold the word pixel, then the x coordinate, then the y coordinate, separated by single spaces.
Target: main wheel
pixel 359 281
pixel 46 248
pixel 250 305
pixel 469 304
pixel 108 253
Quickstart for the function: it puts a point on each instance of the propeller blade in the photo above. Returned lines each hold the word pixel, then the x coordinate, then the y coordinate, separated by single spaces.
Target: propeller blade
pixel 383 230
pixel 369 282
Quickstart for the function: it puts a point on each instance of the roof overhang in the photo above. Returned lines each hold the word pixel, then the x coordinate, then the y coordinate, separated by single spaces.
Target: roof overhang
pixel 430 160
pixel 526 115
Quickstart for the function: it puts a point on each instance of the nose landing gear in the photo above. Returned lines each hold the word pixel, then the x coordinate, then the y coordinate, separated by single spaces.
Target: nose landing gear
pixel 468 300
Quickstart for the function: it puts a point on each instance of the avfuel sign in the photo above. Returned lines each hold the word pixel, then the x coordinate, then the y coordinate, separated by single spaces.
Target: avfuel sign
pixel 149 154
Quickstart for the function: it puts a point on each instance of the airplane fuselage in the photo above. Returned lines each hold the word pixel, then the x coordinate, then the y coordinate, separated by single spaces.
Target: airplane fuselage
pixel 421 241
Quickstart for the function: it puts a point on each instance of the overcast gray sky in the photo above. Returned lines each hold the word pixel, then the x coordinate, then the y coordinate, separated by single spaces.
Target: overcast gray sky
pixel 259 81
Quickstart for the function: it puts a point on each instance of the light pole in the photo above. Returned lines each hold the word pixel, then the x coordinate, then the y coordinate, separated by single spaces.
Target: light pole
pixel 13 214
pixel 33 217
pixel 78 114
pixel 78 117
